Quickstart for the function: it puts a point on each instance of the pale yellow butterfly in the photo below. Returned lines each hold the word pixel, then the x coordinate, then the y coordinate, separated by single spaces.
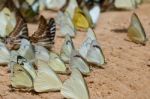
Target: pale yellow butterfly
pixel 136 31
pixel 75 87
pixel 46 79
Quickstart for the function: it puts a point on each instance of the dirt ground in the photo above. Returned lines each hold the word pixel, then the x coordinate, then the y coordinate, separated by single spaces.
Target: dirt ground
pixel 127 72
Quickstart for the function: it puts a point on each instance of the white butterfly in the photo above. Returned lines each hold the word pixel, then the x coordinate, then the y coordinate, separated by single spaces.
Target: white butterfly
pixel 4 54
pixel 66 25
pixel 126 4
pixel 75 87
pixel 46 79
pixel 20 78
pixel 51 58
pixel 27 66
pixel 87 42
pixel 7 22
pixel 54 4
pixel 76 61
pixel 91 51
pixel 95 14
pixel 71 7
pixel 26 50
pixel 66 49
pixel 41 53
pixel 56 63
pixel 95 54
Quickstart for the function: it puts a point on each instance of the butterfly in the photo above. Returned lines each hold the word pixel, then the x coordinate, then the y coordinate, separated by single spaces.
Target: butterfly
pixel 7 22
pixel 54 4
pixel 27 50
pixel 20 78
pixel 20 31
pixel 28 66
pixel 95 14
pixel 66 49
pixel 136 31
pixel 4 54
pixel 91 51
pixel 45 34
pixel 41 53
pixel 75 87
pixel 91 10
pixel 46 79
pixel 24 75
pixel 65 22
pixel 76 61
pixel 95 54
pixel 128 4
pixel 87 42
pixel 82 19
pixel 71 7
pixel 51 58
pixel 26 10
pixel 67 29
pixel 56 63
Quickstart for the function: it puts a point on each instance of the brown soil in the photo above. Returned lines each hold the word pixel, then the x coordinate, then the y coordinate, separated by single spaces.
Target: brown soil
pixel 127 72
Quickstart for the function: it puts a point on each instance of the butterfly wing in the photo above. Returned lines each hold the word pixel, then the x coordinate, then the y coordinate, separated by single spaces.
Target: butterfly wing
pixel 4 54
pixel 40 30
pixel 20 32
pixel 27 66
pixel 75 87
pixel 21 29
pixel 46 79
pixel 46 39
pixel 95 54
pixel 7 22
pixel 66 49
pixel 85 47
pixel 87 42
pixel 79 20
pixel 136 31
pixel 95 14
pixel 67 29
pixel 56 63
pixel 26 10
pixel 128 4
pixel 76 61
pixel 88 17
pixel 20 78
pixel 41 53
pixel 26 50
pixel 71 7
pixel 66 25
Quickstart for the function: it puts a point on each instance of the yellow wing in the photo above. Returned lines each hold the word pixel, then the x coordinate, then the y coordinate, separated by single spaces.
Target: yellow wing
pixel 80 21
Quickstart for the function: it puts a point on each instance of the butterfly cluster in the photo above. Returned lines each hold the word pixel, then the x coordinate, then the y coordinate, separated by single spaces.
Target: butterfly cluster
pixel 32 62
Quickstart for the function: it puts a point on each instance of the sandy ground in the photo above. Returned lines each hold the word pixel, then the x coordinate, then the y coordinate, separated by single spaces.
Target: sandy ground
pixel 127 72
